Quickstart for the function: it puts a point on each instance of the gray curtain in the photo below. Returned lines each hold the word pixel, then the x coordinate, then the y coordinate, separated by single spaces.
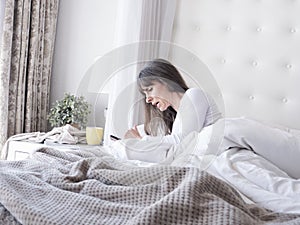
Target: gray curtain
pixel 26 52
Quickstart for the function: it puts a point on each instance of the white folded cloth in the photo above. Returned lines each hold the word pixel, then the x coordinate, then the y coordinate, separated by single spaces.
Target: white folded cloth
pixel 66 134
pixel 61 135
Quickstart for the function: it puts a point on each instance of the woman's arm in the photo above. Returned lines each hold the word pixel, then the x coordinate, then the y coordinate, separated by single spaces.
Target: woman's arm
pixel 132 133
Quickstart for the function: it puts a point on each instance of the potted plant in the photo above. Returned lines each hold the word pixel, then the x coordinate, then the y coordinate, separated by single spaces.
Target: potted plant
pixel 71 109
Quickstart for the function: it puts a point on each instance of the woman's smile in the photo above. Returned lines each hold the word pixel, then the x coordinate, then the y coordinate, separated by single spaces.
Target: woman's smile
pixel 160 96
pixel 161 104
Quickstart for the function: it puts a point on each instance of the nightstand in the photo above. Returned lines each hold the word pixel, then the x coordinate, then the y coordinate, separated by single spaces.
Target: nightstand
pixel 19 150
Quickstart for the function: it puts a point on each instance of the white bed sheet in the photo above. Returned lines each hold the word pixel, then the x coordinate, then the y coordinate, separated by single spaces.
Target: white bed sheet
pixel 259 180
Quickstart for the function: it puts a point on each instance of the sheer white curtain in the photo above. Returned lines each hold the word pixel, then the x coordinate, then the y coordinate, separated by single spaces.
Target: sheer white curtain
pixel 138 22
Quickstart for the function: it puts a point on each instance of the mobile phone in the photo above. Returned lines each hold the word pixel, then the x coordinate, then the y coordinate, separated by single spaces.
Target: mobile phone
pixel 114 138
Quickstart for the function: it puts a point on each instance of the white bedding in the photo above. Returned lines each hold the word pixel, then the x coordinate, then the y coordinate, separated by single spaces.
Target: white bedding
pixel 259 180
pixel 234 161
pixel 251 174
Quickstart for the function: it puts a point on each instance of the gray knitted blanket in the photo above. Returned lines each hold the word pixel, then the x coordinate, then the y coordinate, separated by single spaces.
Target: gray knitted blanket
pixel 80 188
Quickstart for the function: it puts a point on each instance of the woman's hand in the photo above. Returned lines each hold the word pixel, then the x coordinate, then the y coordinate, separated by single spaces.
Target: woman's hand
pixel 132 133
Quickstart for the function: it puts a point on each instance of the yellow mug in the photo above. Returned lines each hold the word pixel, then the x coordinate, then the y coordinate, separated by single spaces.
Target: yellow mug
pixel 94 135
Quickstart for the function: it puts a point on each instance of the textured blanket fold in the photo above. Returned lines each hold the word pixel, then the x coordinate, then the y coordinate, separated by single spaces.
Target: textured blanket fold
pixel 81 188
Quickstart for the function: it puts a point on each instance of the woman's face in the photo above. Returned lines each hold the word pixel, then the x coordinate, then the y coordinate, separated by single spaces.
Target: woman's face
pixel 158 95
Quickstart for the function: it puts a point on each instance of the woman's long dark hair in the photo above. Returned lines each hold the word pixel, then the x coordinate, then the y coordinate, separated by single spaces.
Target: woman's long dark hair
pixel 162 71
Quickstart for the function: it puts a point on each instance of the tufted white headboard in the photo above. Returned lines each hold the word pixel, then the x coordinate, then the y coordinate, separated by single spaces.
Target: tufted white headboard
pixel 252 48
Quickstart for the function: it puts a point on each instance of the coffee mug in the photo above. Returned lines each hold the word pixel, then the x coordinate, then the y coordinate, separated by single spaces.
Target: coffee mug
pixel 94 135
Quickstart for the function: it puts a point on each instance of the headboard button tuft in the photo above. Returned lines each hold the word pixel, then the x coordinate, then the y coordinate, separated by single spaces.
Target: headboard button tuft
pixel 228 28
pixel 254 63
pixel 288 66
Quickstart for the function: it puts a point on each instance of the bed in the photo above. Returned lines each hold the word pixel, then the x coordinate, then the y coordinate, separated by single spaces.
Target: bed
pixel 92 187
pixel 194 184
pixel 251 49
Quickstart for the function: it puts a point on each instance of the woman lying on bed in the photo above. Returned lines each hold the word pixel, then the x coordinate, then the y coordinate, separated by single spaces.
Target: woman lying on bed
pixel 172 111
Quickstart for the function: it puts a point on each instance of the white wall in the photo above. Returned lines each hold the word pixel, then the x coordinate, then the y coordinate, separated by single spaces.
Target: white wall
pixel 85 30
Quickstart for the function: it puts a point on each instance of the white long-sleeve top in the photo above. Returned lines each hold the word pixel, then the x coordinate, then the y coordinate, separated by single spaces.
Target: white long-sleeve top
pixel 196 110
